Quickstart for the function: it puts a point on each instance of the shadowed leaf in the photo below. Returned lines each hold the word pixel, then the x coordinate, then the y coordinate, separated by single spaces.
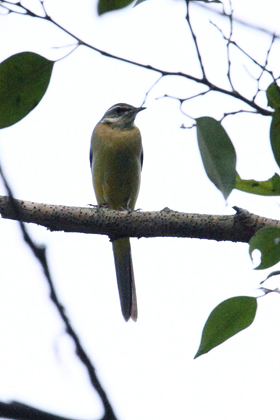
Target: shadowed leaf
pixel 24 79
pixel 218 154
pixel 275 135
pixel 105 6
pixel 267 240
pixel 273 96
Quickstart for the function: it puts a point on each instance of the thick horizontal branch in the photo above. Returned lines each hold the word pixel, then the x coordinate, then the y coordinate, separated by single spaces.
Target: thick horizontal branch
pixel 165 223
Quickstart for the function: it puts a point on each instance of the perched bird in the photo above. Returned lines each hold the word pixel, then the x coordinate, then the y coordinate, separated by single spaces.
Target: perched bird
pixel 116 158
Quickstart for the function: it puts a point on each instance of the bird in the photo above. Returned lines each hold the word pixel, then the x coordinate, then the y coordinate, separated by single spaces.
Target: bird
pixel 116 159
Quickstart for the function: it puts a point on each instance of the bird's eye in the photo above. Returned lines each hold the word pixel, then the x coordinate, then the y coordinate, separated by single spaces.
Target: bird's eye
pixel 119 111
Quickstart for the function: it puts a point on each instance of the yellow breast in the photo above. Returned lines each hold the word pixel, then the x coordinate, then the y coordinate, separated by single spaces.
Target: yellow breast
pixel 116 165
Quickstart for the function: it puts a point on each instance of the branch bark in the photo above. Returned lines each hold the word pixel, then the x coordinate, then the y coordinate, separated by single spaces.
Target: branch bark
pixel 239 227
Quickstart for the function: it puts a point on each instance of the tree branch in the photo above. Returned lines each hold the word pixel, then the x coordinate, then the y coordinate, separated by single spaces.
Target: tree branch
pixel 165 223
pixel 203 80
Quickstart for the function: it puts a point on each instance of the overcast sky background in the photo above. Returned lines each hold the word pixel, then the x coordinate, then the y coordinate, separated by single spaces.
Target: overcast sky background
pixel 147 368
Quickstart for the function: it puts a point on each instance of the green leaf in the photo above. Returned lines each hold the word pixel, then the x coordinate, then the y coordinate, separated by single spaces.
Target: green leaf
pixel 267 240
pixel 105 6
pixel 271 187
pixel 272 274
pixel 217 153
pixel 24 79
pixel 273 96
pixel 139 2
pixel 227 319
pixel 275 135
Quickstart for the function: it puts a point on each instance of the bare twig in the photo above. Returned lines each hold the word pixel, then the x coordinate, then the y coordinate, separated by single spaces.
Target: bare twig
pixel 203 80
pixel 236 19
pixel 228 46
pixel 230 41
pixel 194 39
pixel 240 111
pixel 183 100
pixel 149 90
pixel 264 68
pixel 40 253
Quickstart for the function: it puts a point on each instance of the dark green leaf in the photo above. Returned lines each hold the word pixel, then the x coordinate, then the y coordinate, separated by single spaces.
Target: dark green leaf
pixel 139 2
pixel 218 154
pixel 227 319
pixel 267 240
pixel 24 79
pixel 272 274
pixel 271 187
pixel 105 6
pixel 273 96
pixel 275 135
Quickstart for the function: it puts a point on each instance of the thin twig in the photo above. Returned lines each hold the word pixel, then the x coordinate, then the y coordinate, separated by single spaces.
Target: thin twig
pixel 149 90
pixel 236 20
pixel 242 50
pixel 228 45
pixel 182 101
pixel 240 111
pixel 163 73
pixel 14 7
pixel 40 253
pixel 194 39
pixel 265 68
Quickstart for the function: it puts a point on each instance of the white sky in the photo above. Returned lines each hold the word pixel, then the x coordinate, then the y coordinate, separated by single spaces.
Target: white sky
pixel 147 368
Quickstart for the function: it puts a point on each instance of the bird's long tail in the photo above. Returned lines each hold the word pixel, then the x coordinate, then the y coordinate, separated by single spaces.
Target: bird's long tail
pixel 125 277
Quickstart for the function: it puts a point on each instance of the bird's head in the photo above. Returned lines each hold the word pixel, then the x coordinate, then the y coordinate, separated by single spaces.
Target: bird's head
pixel 121 116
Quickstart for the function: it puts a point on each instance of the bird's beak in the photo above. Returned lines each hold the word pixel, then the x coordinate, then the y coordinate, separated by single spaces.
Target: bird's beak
pixel 141 108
